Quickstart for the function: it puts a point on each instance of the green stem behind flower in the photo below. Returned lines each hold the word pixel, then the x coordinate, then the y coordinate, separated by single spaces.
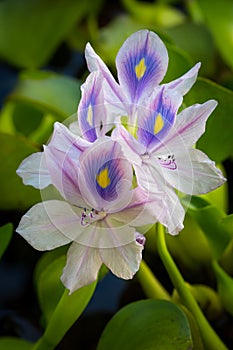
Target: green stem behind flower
pixel 209 337
pixel 149 283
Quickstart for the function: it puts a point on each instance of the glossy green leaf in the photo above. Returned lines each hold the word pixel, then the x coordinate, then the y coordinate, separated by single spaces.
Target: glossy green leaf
pixel 195 257
pixel 195 331
pixel 226 260
pixel 147 325
pixel 217 140
pixel 13 193
pixel 196 40
pixel 46 259
pixel 48 91
pixel 179 63
pixel 209 218
pixel 6 232
pixel 30 31
pixel 49 286
pixel 227 224
pixel 67 311
pixel 158 14
pixel 8 343
pixel 225 287
pixel 26 118
pixel 219 18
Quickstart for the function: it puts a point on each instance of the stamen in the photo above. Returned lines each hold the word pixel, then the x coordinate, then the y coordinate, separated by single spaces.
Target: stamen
pixel 146 156
pixel 91 216
pixel 168 162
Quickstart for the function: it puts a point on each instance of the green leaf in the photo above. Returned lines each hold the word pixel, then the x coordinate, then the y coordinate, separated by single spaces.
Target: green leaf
pixel 226 260
pixel 179 63
pixel 196 40
pixel 67 311
pixel 225 287
pixel 195 257
pixel 13 193
pixel 49 92
pixel 147 325
pixel 219 19
pixel 195 331
pixel 26 118
pixel 49 286
pixel 148 13
pixel 8 343
pixel 60 310
pixel 5 237
pixel 217 140
pixel 46 259
pixel 30 31
pixel 209 218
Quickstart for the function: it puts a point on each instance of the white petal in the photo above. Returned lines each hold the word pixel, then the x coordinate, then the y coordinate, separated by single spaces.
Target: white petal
pixel 166 207
pixel 188 128
pixel 195 173
pixel 82 267
pixel 50 224
pixel 144 209
pixel 172 215
pixel 105 233
pixel 112 91
pixel 123 261
pixel 33 170
pixel 206 176
pixel 130 146
pixel 183 84
pixel 75 129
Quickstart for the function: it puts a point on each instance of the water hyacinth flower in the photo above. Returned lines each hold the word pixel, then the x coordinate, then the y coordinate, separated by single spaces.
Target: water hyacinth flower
pixel 98 210
pixel 141 64
pixel 157 141
pixel 162 153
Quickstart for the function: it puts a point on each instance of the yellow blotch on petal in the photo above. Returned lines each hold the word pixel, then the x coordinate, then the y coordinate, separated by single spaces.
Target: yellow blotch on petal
pixel 159 123
pixel 90 115
pixel 103 179
pixel 140 69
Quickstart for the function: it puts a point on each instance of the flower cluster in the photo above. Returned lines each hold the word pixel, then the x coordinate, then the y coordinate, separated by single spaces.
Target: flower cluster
pixel 119 166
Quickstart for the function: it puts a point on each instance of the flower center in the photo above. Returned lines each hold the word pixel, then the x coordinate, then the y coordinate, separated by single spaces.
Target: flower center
pixel 145 156
pixel 90 216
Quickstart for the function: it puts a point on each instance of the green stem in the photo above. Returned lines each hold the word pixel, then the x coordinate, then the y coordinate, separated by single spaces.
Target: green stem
pixel 150 285
pixel 209 337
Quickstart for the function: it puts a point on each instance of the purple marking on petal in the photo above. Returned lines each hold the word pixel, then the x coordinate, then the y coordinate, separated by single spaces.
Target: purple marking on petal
pixel 91 111
pixel 168 162
pixel 105 176
pixel 141 64
pixel 163 106
pixel 141 239
pixel 109 192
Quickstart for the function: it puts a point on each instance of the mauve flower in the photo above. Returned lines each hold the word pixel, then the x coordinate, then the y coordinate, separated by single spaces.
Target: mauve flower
pixel 162 152
pixel 98 210
pixel 141 64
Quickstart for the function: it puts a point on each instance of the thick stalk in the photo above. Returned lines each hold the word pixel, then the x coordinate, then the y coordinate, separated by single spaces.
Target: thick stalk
pixel 209 337
pixel 149 283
